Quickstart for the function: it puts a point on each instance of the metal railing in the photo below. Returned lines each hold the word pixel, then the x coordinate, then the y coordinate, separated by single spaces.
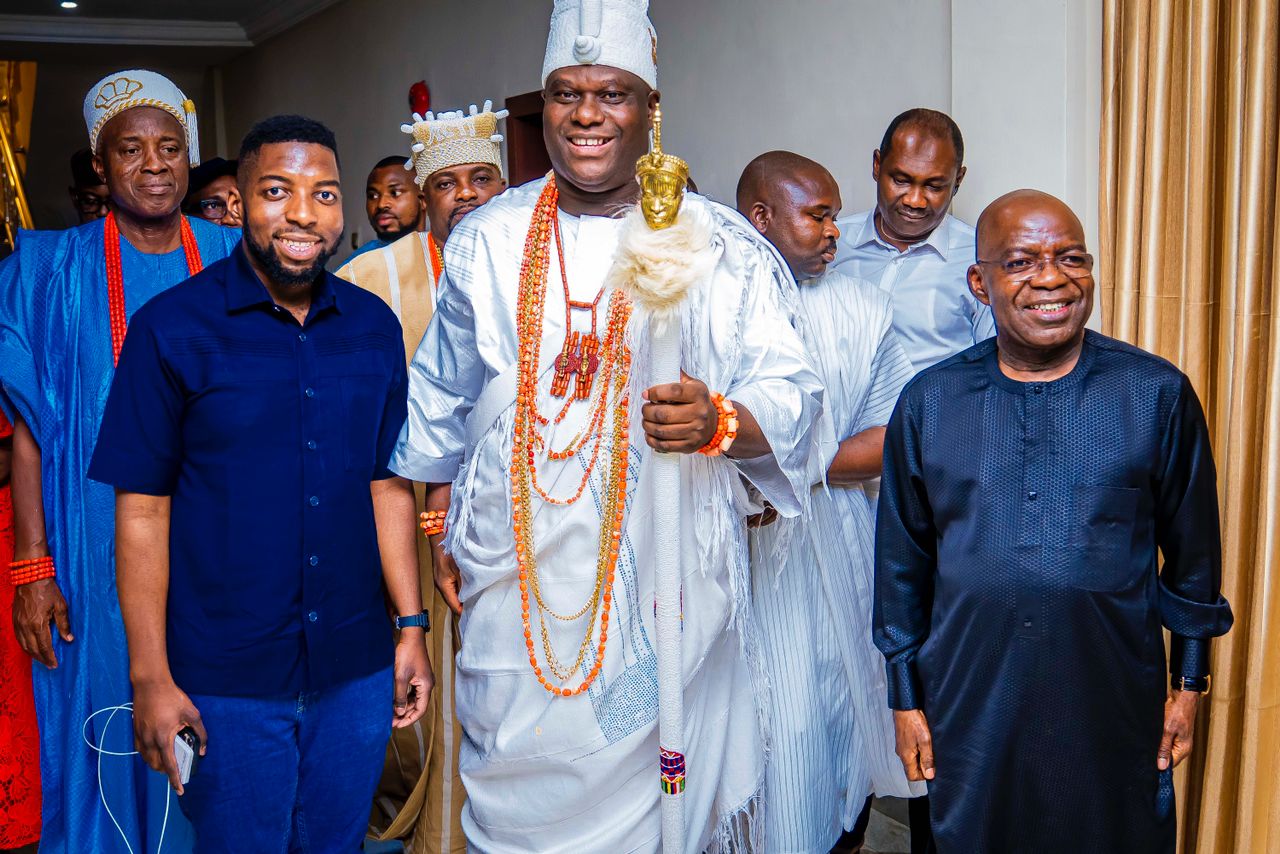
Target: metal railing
pixel 13 198
pixel 15 212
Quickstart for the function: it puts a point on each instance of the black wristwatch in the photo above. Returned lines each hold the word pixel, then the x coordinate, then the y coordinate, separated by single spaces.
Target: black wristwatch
pixel 1199 684
pixel 420 620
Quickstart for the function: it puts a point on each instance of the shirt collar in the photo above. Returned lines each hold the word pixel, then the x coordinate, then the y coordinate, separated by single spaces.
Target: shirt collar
pixel 939 240
pixel 245 289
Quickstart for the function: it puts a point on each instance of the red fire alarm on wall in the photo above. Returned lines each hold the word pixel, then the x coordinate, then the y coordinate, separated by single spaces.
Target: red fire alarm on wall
pixel 419 98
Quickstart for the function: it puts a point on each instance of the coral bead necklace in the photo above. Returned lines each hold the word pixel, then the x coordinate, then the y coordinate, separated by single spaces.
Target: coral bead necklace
pixel 580 353
pixel 115 275
pixel 437 259
pixel 608 411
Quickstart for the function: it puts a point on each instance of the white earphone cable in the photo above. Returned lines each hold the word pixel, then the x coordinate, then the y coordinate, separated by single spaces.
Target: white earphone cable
pixel 102 751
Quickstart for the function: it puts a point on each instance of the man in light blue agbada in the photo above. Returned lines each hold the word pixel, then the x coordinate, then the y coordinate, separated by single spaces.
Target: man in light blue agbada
pixel 65 301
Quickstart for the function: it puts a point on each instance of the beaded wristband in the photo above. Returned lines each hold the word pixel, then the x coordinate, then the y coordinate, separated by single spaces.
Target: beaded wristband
pixel 433 522
pixel 30 570
pixel 726 427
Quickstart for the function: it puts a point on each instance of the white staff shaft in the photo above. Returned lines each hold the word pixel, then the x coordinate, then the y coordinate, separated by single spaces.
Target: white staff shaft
pixel 667 518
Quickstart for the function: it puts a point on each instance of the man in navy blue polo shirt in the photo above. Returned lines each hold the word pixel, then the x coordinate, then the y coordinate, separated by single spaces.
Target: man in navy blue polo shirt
pixel 247 435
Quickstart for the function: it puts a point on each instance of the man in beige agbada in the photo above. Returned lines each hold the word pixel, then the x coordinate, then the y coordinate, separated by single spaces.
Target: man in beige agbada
pixel 458 161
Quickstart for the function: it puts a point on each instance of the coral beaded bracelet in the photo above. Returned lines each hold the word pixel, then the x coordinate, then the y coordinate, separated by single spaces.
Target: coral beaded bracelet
pixel 433 522
pixel 33 569
pixel 726 427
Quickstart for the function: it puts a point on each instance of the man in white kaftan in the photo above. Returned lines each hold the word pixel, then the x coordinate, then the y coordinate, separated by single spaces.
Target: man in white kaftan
pixel 580 773
pixel 833 738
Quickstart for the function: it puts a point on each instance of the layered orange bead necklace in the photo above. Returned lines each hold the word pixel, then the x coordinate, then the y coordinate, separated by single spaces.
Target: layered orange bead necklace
pixel 115 275
pixel 609 404
pixel 437 259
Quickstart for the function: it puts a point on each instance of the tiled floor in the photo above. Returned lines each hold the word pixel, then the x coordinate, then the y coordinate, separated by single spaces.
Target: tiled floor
pixel 886 834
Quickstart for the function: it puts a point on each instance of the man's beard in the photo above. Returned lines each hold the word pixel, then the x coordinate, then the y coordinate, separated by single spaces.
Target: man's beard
pixel 459 213
pixel 269 260
pixel 398 230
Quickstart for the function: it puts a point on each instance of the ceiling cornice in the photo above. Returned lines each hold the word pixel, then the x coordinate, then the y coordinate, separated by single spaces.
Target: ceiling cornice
pixel 280 15
pixel 85 30
pixel 273 19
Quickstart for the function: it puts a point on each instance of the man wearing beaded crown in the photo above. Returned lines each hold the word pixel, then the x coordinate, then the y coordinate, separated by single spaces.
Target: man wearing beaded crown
pixel 456 159
pixel 523 395
pixel 65 300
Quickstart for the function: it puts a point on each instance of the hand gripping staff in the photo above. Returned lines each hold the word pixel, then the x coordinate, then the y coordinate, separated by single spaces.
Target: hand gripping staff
pixel 664 250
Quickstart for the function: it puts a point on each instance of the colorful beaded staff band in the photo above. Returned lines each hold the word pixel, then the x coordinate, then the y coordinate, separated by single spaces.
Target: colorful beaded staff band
pixel 433 522
pixel 34 569
pixel 671 765
pixel 726 427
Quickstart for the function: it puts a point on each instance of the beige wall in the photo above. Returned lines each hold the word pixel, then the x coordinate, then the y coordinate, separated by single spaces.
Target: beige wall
pixel 739 77
pixel 351 67
pixel 1027 89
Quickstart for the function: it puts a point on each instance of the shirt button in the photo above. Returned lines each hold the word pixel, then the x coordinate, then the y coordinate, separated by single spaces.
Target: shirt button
pixel 315 559
pixel 311 444
pixel 312 616
pixel 314 500
pixel 302 336
pixel 1039 389
pixel 309 392
pixel 1033 495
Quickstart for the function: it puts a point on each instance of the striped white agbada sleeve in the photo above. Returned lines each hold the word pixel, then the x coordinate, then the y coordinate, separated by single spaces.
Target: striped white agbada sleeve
pixel 890 372
pixel 832 731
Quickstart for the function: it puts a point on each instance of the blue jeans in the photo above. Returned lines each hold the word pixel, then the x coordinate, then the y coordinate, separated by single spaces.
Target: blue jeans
pixel 290 773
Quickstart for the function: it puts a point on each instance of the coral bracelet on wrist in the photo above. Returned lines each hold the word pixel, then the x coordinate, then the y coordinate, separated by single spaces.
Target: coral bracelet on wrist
pixel 726 427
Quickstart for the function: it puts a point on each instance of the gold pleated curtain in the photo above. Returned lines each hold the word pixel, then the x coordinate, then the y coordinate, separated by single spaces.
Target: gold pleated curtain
pixel 1190 220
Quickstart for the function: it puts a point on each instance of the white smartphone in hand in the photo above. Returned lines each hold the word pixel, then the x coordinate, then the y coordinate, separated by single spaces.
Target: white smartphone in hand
pixel 186 749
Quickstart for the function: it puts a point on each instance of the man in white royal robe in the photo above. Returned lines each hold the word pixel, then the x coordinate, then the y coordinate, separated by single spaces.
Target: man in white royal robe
pixel 577 774
pixel 573 774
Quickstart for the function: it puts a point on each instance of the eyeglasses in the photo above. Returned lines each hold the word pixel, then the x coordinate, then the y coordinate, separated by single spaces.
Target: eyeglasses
pixel 90 202
pixel 1073 265
pixel 212 209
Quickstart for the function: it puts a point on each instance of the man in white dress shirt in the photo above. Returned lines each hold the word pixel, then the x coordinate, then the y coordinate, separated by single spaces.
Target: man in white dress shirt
pixel 833 739
pixel 909 244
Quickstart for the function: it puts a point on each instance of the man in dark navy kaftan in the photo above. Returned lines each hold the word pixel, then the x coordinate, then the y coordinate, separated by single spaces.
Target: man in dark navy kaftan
pixel 1030 484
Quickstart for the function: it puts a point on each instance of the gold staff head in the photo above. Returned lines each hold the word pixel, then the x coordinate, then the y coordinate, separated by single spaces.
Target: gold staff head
pixel 662 178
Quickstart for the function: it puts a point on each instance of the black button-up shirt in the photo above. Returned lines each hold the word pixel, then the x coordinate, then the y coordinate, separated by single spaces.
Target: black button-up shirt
pixel 266 434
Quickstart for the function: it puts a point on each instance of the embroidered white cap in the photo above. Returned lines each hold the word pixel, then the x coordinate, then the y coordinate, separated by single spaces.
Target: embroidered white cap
pixel 616 33
pixel 123 90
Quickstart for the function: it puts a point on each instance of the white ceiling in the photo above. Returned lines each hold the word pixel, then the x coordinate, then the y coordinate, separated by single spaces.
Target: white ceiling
pixel 191 10
pixel 187 23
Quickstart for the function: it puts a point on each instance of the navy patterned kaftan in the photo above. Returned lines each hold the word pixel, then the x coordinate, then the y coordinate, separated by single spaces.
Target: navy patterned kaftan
pixel 1019 599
